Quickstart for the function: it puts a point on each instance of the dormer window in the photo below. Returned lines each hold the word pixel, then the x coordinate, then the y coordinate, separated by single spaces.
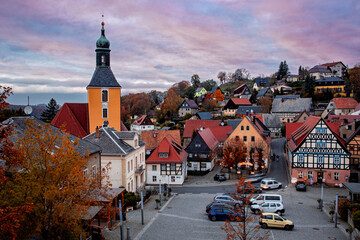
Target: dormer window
pixel 104 95
pixel 163 155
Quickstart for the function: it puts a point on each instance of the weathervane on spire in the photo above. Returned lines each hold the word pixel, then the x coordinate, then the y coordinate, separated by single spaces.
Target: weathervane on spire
pixel 102 16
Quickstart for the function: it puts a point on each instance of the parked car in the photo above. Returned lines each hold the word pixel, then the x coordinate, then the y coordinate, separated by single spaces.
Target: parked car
pixel 228 199
pixel 225 214
pixel 273 207
pixel 270 184
pixel 300 185
pixel 219 177
pixel 248 189
pixel 266 197
pixel 274 220
pixel 218 205
pixel 236 196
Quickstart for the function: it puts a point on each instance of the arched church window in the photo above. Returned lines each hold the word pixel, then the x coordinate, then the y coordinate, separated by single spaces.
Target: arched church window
pixel 102 59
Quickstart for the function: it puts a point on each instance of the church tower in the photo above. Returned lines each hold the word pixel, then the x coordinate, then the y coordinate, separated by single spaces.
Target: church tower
pixel 103 91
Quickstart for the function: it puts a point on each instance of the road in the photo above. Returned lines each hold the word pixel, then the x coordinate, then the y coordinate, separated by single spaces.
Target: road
pixel 184 217
pixel 277 171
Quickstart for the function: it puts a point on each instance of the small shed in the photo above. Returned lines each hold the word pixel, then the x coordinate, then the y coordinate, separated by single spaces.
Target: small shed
pixel 354 191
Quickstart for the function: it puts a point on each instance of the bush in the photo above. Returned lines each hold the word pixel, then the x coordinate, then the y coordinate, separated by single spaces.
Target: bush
pixel 130 199
pixel 356 219
pixel 344 205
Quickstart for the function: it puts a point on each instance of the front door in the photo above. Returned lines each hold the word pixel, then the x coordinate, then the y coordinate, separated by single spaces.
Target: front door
pixel 320 177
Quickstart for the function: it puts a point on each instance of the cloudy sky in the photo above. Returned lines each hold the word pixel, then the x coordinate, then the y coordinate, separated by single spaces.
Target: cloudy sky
pixel 47 46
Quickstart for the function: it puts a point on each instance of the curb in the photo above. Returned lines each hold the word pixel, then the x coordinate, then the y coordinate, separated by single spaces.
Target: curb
pixel 341 224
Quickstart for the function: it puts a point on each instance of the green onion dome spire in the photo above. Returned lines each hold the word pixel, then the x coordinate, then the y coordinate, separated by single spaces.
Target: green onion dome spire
pixel 102 42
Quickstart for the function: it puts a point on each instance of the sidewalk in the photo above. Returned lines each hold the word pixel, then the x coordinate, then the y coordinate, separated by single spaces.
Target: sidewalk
pixel 208 179
pixel 133 220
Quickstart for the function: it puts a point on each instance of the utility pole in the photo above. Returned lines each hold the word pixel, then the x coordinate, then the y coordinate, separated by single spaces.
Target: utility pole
pixel 121 221
pixel 336 209
pixel 142 207
pixel 160 191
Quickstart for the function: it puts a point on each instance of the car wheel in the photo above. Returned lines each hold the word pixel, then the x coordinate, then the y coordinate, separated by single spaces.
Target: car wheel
pixel 280 186
pixel 287 227
pixel 257 211
pixel 279 212
pixel 264 226
pixel 213 218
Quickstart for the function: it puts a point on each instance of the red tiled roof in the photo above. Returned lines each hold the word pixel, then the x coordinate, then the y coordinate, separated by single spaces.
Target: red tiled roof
pixel 170 146
pixel 330 64
pixel 345 103
pixel 341 118
pixel 357 107
pixel 191 125
pixel 241 101
pixel 221 132
pixel 154 137
pixel 209 138
pixel 140 120
pixel 75 118
pixel 290 128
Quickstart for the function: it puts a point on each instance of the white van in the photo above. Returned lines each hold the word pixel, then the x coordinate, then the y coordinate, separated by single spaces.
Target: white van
pixel 262 198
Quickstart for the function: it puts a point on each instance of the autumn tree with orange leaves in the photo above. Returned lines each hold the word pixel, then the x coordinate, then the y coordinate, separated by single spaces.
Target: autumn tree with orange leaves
pixel 244 226
pixel 170 106
pixel 234 152
pixel 50 178
pixel 11 214
pixel 218 96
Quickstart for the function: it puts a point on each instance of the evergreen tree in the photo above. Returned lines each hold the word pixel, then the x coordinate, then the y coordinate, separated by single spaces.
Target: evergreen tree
pixel 195 81
pixel 51 110
pixel 309 85
pixel 283 70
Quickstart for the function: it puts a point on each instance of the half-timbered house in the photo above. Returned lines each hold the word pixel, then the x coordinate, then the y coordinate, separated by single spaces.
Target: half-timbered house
pixel 201 151
pixel 167 163
pixel 353 145
pixel 317 153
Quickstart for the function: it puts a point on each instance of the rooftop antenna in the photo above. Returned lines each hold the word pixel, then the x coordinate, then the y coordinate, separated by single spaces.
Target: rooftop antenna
pixel 28 109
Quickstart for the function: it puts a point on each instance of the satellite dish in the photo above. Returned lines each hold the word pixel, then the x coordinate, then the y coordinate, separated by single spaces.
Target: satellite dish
pixel 28 110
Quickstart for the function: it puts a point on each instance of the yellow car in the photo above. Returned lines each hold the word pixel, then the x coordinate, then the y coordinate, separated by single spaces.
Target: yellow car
pixel 274 220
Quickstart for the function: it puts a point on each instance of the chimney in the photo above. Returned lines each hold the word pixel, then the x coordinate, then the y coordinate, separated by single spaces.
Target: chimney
pixel 97 133
pixel 106 123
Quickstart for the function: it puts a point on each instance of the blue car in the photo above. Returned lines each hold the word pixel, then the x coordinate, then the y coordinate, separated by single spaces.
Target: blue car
pixel 225 214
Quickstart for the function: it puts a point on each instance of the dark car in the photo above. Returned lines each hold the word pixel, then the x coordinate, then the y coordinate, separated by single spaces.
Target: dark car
pixel 248 189
pixel 300 185
pixel 219 177
pixel 218 205
pixel 225 214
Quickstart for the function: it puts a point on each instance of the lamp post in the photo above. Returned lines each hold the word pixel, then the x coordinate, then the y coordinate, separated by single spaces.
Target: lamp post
pixel 322 195
pixel 160 190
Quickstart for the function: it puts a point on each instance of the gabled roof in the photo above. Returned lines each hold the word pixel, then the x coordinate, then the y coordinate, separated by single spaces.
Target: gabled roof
pixel 291 105
pixel 298 135
pixel 287 96
pixel 291 127
pixel 320 69
pixel 75 118
pixel 204 115
pixel 199 89
pixel 241 89
pixel 262 92
pixel 240 101
pixel 297 117
pixel 20 127
pixel 331 64
pixel 214 89
pixel 221 133
pixel 248 110
pixel 103 77
pixel 191 125
pixel 111 141
pixel 271 120
pixel 142 120
pixel 341 118
pixel 233 123
pixel 191 104
pixel 357 132
pixel 347 103
pixel 262 82
pixel 209 138
pixel 259 127
pixel 154 137
pixel 168 145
